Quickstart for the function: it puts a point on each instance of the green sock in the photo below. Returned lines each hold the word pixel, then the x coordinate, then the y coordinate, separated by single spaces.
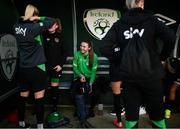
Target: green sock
pixel 160 124
pixel 130 124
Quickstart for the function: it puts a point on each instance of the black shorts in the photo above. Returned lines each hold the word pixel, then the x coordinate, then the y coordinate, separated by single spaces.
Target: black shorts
pixel 32 79
pixel 114 72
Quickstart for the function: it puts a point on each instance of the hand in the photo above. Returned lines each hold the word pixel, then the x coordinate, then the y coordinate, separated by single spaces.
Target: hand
pixel 163 64
pixel 169 67
pixel 90 89
pixel 171 70
pixel 57 68
pixel 82 79
pixel 33 18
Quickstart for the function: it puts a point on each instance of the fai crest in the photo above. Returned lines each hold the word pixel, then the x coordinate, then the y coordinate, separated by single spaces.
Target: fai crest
pixel 99 21
pixel 8 55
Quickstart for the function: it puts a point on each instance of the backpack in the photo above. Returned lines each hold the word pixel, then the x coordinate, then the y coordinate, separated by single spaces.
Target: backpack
pixel 57 119
pixel 135 62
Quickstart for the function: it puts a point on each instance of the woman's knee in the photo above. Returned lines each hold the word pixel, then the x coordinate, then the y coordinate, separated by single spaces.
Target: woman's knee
pixel 24 93
pixel 116 87
pixel 39 94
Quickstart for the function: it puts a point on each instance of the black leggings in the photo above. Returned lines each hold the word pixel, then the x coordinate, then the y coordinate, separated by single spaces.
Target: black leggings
pixel 149 92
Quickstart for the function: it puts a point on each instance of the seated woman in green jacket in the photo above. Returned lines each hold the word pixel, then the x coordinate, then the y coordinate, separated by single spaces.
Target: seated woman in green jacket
pixel 84 68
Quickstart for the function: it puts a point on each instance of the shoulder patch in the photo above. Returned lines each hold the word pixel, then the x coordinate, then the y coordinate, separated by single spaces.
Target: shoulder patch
pixel 56 40
pixel 41 24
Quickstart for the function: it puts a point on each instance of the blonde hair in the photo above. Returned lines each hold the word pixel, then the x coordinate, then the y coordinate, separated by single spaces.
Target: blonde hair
pixel 30 11
pixel 132 3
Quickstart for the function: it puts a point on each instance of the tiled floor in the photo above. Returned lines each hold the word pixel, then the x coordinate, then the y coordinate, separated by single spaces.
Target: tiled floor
pixel 103 121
